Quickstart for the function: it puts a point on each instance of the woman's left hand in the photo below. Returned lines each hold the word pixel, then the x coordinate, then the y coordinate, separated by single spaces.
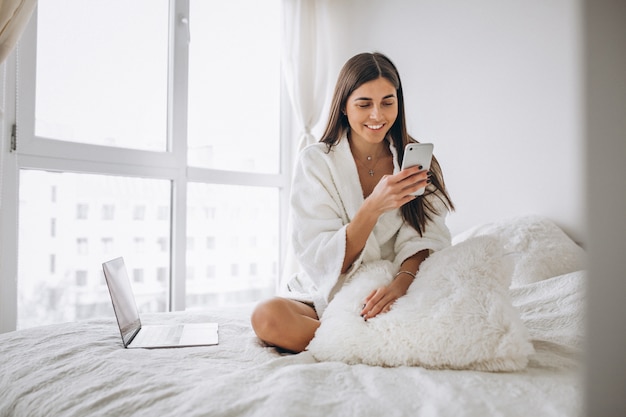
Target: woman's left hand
pixel 381 299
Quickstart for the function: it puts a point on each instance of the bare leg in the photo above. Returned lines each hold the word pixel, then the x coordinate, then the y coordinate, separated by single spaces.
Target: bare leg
pixel 285 323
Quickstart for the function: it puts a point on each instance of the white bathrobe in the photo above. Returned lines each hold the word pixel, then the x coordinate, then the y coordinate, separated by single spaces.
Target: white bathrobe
pixel 326 194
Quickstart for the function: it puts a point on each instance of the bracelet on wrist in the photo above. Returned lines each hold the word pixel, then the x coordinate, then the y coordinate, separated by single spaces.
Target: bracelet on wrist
pixel 405 272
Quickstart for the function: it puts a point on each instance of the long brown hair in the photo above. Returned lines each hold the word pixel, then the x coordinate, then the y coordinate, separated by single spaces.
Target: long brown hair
pixel 357 71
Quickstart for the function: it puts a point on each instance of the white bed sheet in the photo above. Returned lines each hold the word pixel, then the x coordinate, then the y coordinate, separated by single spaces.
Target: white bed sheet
pixel 81 369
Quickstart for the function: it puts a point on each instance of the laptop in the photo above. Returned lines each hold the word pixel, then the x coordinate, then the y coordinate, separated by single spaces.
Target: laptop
pixel 134 335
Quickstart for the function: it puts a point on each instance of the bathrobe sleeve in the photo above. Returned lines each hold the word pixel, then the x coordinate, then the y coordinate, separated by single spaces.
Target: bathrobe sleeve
pixel 319 222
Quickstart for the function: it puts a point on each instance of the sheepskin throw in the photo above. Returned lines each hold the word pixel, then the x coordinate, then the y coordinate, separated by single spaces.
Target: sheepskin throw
pixel 457 314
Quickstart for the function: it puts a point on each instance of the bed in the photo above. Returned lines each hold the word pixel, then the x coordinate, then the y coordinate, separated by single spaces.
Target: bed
pixel 81 368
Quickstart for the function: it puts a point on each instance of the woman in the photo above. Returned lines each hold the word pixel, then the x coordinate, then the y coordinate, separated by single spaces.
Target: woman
pixel 352 205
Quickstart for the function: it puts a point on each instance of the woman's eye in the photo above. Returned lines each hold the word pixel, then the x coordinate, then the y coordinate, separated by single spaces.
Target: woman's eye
pixel 388 103
pixel 363 106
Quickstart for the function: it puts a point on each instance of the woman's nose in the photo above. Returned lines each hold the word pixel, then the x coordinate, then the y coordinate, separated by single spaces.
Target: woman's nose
pixel 375 112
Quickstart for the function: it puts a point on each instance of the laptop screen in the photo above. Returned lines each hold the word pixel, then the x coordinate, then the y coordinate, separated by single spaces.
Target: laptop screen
pixel 123 299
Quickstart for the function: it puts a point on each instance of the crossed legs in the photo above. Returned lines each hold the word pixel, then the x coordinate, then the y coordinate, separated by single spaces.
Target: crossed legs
pixel 285 323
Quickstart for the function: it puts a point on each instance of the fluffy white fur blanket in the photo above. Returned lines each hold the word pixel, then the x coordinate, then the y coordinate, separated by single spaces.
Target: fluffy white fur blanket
pixel 457 314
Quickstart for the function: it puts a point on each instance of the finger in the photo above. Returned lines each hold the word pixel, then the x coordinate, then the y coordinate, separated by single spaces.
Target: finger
pixel 372 300
pixel 417 176
pixel 406 173
pixel 416 186
pixel 388 306
pixel 412 170
pixel 364 309
pixel 421 181
pixel 380 306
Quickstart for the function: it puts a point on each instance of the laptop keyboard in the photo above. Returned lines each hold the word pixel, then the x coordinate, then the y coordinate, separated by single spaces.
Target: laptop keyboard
pixel 159 336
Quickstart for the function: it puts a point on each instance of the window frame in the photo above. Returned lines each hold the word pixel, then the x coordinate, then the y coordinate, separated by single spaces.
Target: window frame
pixel 32 152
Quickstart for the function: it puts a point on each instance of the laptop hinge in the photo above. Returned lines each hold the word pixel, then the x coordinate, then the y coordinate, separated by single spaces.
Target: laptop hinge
pixel 132 337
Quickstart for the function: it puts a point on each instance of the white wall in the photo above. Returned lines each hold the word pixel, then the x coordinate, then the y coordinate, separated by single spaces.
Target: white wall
pixel 496 85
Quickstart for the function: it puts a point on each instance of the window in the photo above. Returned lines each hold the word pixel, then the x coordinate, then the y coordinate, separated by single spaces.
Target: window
pixel 227 240
pixel 191 274
pixel 105 83
pixel 138 275
pixel 82 211
pixel 140 244
pixel 107 245
pixel 81 278
pixel 163 213
pixel 163 244
pixel 139 212
pixel 135 143
pixel 71 251
pixel 210 272
pixel 251 97
pixel 162 275
pixel 108 212
pixel 82 246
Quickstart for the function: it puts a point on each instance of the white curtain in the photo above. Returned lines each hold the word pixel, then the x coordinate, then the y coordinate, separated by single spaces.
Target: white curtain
pixel 14 15
pixel 305 61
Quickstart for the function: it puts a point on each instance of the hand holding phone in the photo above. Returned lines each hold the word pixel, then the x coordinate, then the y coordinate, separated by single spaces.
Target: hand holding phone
pixel 418 154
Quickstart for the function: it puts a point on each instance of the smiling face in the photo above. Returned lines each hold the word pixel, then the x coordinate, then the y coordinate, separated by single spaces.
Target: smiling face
pixel 371 110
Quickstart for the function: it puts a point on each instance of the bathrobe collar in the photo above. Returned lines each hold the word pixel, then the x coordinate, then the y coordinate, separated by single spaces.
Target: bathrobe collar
pixel 352 197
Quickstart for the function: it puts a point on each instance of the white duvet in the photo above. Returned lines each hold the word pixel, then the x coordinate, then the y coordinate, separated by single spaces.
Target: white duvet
pixel 81 369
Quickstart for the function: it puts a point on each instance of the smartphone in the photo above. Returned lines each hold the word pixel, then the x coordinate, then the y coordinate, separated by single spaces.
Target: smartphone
pixel 418 154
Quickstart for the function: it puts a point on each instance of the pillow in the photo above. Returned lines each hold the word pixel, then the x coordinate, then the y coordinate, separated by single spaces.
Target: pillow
pixel 539 247
pixel 457 314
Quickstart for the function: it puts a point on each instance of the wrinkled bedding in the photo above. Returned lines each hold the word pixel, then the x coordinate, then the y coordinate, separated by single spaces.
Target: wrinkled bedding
pixel 82 369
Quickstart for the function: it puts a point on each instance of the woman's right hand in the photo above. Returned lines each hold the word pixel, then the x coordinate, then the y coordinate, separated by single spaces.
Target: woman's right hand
pixel 391 192
pixel 394 191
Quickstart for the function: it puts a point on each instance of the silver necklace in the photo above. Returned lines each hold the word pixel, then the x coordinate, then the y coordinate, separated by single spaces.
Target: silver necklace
pixel 370 169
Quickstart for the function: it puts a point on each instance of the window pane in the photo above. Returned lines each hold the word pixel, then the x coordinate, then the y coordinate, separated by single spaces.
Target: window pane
pixel 102 72
pixel 60 274
pixel 234 85
pixel 235 257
